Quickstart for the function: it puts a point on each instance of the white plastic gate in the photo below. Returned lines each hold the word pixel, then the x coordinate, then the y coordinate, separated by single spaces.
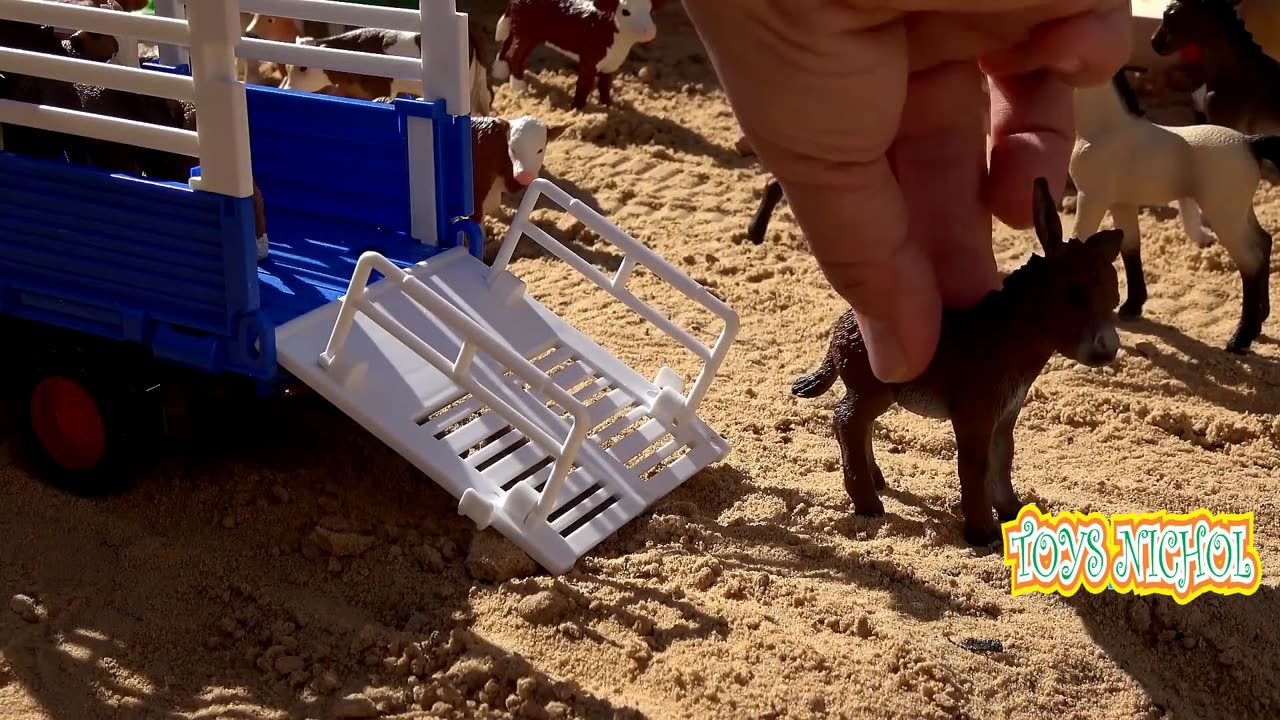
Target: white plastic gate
pixel 535 428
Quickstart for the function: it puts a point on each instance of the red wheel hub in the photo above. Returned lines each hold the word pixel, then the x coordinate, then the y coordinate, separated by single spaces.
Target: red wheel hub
pixel 67 423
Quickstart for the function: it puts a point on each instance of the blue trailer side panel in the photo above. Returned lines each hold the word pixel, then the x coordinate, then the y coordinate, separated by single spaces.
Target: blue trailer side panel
pixel 330 157
pixel 130 259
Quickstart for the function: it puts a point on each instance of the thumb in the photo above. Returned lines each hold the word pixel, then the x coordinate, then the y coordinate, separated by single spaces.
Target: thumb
pixel 852 72
pixel 857 231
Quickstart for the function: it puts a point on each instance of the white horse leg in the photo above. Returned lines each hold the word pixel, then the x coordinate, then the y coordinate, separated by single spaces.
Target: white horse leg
pixel 1249 246
pixel 1125 218
pixel 1193 223
pixel 1089 214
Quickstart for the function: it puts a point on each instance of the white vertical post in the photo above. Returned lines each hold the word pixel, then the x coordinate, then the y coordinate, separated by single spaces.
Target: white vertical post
pixel 172 54
pixel 128 54
pixel 223 127
pixel 422 180
pixel 444 55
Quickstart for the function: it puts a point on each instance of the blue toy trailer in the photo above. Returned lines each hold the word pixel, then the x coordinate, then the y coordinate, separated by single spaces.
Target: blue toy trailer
pixel 534 427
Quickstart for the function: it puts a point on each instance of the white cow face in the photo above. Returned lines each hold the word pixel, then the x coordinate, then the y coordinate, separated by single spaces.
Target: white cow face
pixel 302 77
pixel 634 19
pixel 526 145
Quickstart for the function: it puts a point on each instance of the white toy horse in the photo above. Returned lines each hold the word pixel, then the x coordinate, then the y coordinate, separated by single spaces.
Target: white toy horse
pixel 1122 161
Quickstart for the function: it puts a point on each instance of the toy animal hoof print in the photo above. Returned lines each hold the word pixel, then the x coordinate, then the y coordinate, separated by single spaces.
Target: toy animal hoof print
pixel 987 358
pixel 598 36
pixel 1122 160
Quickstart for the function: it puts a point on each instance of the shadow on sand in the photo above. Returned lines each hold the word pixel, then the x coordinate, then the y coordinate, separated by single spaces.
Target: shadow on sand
pixel 179 595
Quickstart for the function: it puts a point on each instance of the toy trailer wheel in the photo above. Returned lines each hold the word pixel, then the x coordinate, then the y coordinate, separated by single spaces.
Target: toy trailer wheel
pixel 85 434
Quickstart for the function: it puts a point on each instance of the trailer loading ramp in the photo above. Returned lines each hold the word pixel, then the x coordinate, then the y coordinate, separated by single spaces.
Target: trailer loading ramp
pixel 536 429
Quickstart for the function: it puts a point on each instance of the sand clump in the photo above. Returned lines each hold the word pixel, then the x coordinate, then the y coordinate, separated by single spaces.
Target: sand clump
pixel 303 570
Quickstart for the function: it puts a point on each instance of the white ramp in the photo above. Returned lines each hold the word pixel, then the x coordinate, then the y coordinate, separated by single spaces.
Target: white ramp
pixel 536 429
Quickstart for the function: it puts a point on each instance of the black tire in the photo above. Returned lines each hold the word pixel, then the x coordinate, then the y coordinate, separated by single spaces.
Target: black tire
pixel 87 427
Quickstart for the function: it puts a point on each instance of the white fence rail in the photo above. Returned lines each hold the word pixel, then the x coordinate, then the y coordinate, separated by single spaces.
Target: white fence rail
pixel 107 22
pixel 75 70
pixel 634 253
pixel 342 13
pixel 442 67
pixel 221 144
pixel 352 61
pixel 211 31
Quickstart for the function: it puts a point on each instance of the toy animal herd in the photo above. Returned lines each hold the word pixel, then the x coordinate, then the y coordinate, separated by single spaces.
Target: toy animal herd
pixel 1065 301
pixel 598 35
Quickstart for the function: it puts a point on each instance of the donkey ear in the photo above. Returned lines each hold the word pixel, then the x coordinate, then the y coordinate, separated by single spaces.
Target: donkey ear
pixel 1045 212
pixel 1106 244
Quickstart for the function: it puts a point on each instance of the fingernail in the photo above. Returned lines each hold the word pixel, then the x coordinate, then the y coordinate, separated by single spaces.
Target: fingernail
pixel 1069 66
pixel 886 352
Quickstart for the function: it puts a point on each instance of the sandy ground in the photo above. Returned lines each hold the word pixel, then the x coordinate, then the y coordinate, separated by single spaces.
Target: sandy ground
pixel 291 566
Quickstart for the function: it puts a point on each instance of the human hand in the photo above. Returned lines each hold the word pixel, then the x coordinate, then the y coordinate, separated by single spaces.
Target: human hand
pixel 870 113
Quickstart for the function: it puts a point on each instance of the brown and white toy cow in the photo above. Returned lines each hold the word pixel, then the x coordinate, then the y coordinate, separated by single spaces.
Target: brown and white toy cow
pixel 598 36
pixel 506 155
pixel 368 87
pixel 276 29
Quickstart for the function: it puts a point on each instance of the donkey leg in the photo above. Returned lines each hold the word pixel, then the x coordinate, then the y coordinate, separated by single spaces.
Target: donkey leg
pixel 1126 219
pixel 973 449
pixel 760 224
pixel 604 83
pixel 872 465
pixel 852 422
pixel 586 82
pixel 1004 498
pixel 1250 248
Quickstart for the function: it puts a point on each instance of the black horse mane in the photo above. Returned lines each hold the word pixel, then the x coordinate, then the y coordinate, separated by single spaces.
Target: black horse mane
pixel 1230 21
pixel 1121 83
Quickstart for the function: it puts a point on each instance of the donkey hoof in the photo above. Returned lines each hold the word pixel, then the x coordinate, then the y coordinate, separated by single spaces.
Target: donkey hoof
pixel 982 537
pixel 1130 310
pixel 1241 341
pixel 869 509
pixel 1009 513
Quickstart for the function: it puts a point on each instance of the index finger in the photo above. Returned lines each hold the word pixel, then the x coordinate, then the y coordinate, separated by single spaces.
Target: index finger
pixel 818 89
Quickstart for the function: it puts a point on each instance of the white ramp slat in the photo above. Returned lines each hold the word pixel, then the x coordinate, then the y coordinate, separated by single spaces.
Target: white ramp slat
pixel 393 392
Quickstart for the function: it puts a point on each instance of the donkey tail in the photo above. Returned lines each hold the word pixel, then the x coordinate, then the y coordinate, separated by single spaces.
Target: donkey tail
pixel 817 382
pixel 1265 147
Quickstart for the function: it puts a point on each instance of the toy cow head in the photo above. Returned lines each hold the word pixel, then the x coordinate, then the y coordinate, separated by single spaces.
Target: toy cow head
pixel 526 145
pixel 274 27
pixel 633 18
pixel 91 45
pixel 303 77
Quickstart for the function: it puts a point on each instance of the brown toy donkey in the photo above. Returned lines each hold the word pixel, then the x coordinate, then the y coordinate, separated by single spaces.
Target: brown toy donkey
pixel 986 360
